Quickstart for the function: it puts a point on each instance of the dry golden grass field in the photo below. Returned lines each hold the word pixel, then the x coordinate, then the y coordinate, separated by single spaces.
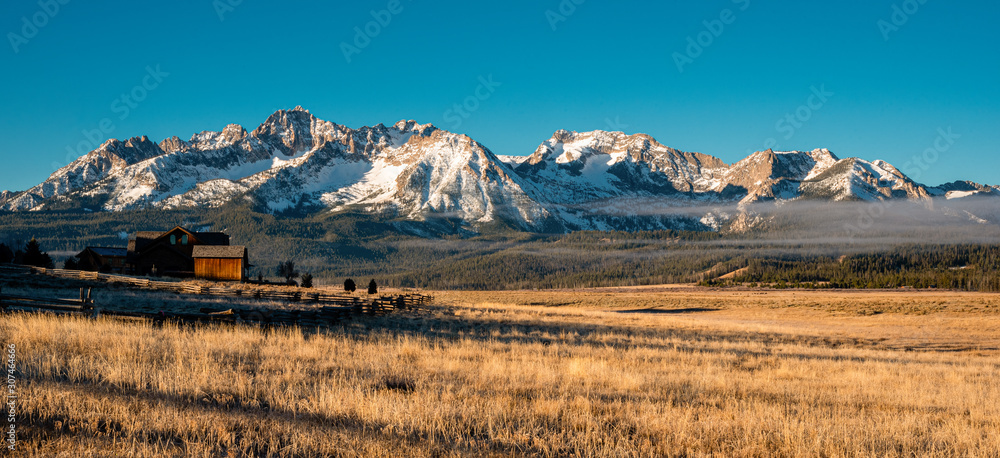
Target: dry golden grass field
pixel 668 371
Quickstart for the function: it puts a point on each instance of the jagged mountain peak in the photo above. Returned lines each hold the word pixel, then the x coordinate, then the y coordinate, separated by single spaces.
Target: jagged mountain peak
pixel 294 161
pixel 289 131
pixel 962 189
pixel 858 179
pixel 173 144
pixel 413 126
pixel 209 140
pixel 130 151
pixel 570 146
pixel 823 154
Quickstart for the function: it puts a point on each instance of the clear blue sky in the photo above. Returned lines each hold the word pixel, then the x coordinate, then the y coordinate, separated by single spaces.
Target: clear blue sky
pixel 607 61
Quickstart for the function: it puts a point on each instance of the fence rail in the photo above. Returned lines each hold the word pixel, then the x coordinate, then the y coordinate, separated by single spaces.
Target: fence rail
pixel 321 316
pixel 334 307
pixel 410 300
pixel 84 303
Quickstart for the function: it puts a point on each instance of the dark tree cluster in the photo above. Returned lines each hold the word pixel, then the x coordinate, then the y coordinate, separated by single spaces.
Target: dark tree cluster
pixel 287 271
pixel 961 267
pixel 31 255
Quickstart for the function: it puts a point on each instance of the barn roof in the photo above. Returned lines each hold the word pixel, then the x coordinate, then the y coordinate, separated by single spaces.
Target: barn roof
pixel 213 238
pixel 105 251
pixel 219 251
pixel 144 238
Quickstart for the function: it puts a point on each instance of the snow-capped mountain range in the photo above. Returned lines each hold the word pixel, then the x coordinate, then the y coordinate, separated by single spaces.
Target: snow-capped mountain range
pixel 591 180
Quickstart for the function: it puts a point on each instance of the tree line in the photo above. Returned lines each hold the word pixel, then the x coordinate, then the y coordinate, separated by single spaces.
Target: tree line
pixel 30 255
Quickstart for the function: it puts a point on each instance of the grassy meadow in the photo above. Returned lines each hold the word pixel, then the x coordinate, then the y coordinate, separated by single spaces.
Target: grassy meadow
pixel 671 371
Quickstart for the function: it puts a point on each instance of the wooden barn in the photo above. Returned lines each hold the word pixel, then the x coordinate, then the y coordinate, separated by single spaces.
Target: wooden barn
pixel 102 259
pixel 229 262
pixel 169 253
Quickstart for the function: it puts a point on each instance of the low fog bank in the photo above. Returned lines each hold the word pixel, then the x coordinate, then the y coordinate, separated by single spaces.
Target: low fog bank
pixel 968 220
pixel 937 221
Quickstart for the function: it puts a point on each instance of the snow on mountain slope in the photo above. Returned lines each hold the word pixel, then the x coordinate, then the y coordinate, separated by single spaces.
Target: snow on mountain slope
pixel 111 157
pixel 963 189
pixel 771 175
pixel 440 173
pixel 858 179
pixel 576 168
pixel 610 180
pixel 513 161
pixel 602 180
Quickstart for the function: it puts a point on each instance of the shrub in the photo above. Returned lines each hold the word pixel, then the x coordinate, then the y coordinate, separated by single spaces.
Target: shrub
pixel 71 264
pixel 287 270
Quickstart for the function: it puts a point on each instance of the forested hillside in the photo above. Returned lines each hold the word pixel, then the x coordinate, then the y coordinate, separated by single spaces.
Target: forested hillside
pixel 441 254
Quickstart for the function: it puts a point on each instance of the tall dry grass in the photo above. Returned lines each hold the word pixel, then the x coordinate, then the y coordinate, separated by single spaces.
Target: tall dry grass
pixel 501 379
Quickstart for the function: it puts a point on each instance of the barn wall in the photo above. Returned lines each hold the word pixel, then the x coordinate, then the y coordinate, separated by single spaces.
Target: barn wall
pixel 164 259
pixel 218 269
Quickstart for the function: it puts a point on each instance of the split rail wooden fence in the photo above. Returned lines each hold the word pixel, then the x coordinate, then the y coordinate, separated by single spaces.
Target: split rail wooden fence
pixel 332 308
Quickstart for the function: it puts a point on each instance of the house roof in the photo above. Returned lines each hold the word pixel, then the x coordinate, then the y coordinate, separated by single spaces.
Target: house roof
pixel 145 238
pixel 108 252
pixel 219 251
pixel 212 238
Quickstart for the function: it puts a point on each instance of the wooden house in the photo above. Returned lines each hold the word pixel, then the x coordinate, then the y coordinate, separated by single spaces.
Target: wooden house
pixel 103 259
pixel 168 253
pixel 221 262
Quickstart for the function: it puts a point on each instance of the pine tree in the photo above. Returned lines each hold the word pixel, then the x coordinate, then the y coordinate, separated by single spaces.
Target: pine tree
pixel 34 256
pixel 6 254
